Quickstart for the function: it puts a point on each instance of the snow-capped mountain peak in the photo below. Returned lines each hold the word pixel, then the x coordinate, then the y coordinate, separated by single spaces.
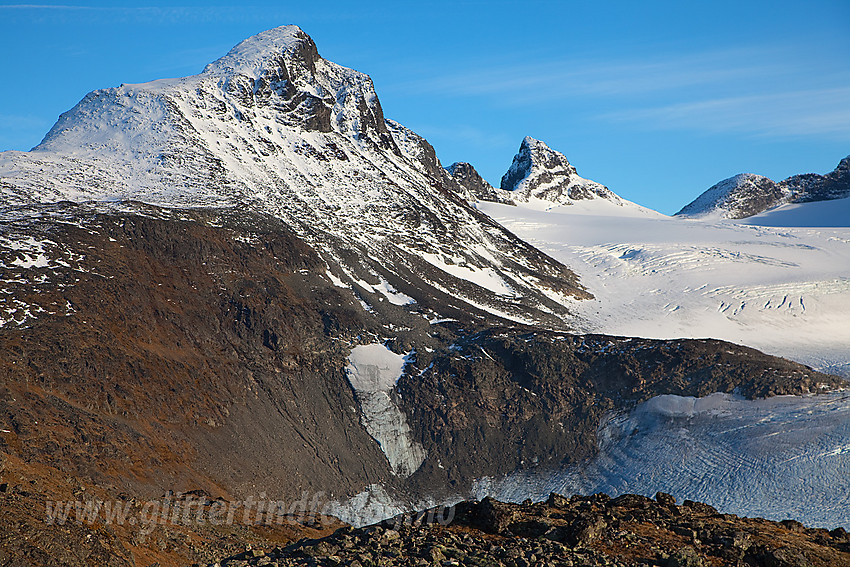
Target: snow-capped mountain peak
pixel 533 159
pixel 274 127
pixel 256 55
pixel 279 70
pixel 539 172
pixel 283 65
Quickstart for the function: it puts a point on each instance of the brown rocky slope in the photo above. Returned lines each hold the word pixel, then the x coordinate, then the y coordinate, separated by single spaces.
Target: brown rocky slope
pixel 150 342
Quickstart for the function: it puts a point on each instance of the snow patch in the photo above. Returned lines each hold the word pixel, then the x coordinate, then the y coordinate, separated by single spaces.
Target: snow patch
pixel 373 371
pixel 29 252
pixel 336 281
pixel 487 278
pixel 393 296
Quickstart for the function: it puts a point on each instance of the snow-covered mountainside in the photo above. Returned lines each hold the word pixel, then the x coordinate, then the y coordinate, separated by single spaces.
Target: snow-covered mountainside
pixel 746 194
pixel 738 197
pixel 275 128
pixel 783 290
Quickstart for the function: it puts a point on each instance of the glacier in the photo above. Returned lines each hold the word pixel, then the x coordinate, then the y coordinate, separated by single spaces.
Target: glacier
pixel 785 457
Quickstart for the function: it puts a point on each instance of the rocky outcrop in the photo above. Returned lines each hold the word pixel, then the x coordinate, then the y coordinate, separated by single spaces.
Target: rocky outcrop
pixel 416 148
pixel 473 186
pixel 483 398
pixel 594 530
pixel 813 187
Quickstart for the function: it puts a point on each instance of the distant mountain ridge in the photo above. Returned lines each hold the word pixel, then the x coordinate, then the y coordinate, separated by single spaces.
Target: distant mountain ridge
pixel 746 194
pixel 474 187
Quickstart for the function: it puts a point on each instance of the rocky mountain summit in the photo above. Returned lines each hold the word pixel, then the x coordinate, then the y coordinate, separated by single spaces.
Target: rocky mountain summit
pixel 591 531
pixel 810 187
pixel 738 197
pixel 746 194
pixel 539 172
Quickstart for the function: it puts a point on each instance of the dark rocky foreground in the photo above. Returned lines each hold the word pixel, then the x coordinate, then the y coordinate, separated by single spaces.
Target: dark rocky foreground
pixel 594 530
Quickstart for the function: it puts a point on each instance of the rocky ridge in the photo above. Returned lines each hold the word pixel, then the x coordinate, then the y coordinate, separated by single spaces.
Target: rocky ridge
pixel 473 186
pixel 746 194
pixel 537 175
pixel 593 530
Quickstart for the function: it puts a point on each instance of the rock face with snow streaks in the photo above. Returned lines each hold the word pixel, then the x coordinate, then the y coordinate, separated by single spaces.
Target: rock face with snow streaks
pixel 542 173
pixel 275 128
pixel 473 186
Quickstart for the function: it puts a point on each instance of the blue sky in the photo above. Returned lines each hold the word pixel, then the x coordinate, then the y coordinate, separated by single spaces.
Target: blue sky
pixel 657 100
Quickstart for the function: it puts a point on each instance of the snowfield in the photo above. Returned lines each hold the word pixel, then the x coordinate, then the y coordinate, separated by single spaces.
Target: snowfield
pixel 784 290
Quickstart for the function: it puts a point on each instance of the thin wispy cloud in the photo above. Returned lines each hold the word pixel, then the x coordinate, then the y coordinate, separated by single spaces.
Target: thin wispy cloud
pixel 562 77
pixel 740 90
pixel 821 112
pixel 21 122
pixel 16 127
pixel 261 14
pixel 66 13
pixel 44 7
pixel 466 134
pixel 188 61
